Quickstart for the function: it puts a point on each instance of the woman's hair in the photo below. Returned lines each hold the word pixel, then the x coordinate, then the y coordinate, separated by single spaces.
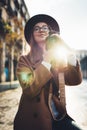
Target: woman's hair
pixel 36 53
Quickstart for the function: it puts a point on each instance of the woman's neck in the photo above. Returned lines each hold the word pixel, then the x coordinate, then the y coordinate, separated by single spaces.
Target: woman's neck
pixel 42 46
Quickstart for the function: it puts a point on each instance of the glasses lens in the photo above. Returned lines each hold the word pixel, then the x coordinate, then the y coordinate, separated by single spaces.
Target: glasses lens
pixel 36 29
pixel 45 28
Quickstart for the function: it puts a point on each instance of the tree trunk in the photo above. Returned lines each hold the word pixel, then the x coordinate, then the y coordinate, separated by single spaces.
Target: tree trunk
pixel 3 75
pixel 12 65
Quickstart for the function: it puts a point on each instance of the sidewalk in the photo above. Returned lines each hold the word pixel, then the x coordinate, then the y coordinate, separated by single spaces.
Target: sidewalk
pixel 9 101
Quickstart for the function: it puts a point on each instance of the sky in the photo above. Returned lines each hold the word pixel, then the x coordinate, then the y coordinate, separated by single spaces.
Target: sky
pixel 71 16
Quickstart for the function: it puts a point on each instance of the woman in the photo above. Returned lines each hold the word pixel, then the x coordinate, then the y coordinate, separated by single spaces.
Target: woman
pixel 37 76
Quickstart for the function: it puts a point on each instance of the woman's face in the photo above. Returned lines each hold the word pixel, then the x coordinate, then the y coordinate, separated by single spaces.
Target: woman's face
pixel 40 32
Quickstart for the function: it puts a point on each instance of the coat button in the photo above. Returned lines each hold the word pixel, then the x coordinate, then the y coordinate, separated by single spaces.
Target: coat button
pixel 35 115
pixel 38 99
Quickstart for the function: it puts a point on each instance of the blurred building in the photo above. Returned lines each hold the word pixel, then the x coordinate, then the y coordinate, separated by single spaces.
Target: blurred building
pixel 82 56
pixel 13 16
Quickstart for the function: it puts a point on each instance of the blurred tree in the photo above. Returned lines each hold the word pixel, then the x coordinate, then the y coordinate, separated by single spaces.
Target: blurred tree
pixel 9 35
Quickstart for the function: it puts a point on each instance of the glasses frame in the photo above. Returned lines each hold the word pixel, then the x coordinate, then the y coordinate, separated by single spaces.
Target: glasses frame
pixel 44 28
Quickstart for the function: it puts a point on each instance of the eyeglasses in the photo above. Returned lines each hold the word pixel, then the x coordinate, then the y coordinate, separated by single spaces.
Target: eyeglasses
pixel 43 28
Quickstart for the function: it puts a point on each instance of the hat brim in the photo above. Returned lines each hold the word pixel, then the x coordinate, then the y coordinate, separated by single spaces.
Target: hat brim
pixel 40 18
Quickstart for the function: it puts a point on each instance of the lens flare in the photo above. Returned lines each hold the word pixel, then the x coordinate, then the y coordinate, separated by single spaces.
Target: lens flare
pixel 60 55
pixel 27 78
pixel 60 52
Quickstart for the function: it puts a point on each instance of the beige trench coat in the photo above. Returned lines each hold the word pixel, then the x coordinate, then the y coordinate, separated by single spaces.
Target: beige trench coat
pixel 33 112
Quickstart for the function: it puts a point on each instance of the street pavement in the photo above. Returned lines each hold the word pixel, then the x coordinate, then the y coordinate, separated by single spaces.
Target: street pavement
pixel 9 101
pixel 76 98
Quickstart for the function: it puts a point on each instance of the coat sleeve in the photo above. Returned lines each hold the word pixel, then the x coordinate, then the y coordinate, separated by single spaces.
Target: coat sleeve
pixel 73 75
pixel 31 80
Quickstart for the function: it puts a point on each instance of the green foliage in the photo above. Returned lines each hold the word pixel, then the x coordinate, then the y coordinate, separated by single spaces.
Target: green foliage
pixel 4 28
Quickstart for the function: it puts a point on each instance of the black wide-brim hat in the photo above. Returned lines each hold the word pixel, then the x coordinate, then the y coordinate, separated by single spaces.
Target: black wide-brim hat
pixel 40 18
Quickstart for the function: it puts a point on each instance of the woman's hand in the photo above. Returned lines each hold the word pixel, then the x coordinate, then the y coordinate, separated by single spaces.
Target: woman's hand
pixel 72 60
